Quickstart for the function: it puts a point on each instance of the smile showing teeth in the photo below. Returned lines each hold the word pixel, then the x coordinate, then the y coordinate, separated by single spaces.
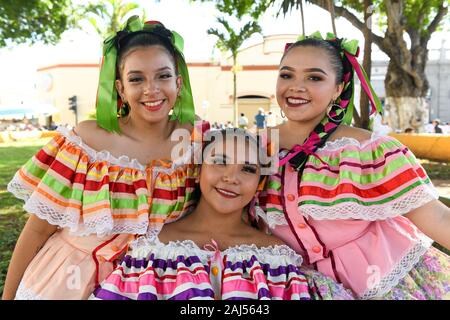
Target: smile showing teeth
pixel 297 101
pixel 153 104
pixel 226 193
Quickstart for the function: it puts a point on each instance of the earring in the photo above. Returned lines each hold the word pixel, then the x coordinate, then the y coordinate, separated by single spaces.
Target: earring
pixel 335 107
pixel 282 114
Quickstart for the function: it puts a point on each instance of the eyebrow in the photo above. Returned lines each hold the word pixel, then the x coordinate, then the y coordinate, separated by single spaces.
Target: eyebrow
pixel 305 70
pixel 157 70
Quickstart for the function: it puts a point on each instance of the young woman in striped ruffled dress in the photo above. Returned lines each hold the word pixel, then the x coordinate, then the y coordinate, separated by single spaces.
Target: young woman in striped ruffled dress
pixel 92 189
pixel 213 253
pixel 357 205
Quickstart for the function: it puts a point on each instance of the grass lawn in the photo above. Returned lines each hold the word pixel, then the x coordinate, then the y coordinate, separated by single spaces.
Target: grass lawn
pixel 13 217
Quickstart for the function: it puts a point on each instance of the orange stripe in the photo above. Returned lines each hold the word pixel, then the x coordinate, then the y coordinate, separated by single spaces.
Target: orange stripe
pixel 27 179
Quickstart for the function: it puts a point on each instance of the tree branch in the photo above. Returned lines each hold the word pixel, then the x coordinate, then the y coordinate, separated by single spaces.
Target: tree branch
pixel 442 12
pixel 343 12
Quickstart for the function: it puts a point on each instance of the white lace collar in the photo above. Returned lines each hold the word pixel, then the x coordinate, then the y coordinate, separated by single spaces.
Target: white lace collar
pixel 142 246
pixel 123 161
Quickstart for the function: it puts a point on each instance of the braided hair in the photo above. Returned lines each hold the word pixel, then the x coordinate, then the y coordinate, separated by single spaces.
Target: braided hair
pixel 344 73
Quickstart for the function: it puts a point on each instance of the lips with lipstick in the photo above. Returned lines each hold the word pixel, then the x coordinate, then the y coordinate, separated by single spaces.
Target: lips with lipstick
pixel 154 105
pixel 227 193
pixel 295 102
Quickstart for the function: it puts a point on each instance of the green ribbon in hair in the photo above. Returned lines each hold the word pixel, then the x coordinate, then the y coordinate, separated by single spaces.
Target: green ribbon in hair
pixel 106 104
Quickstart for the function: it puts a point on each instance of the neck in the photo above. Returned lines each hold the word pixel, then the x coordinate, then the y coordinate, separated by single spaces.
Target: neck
pixel 299 130
pixel 140 130
pixel 209 221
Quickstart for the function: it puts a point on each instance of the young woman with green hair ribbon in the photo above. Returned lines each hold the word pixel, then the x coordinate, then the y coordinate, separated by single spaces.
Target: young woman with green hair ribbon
pixel 91 190
pixel 357 205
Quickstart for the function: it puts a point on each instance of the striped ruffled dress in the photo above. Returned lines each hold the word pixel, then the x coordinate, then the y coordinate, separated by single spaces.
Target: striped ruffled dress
pixel 180 270
pixel 99 203
pixel 344 215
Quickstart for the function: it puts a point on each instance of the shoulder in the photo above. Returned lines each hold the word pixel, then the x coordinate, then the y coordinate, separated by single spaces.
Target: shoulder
pixel 93 135
pixel 262 239
pixel 351 132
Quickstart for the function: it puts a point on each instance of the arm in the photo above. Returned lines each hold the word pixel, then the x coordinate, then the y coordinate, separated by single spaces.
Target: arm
pixel 433 219
pixel 33 236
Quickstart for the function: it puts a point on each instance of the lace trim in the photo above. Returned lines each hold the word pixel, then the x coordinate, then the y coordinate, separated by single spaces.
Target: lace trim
pixel 143 246
pixel 379 131
pixel 102 226
pixel 24 293
pixel 403 267
pixel 351 210
pixel 123 161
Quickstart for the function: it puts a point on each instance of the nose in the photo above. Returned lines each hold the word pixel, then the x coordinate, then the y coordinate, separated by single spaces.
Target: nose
pixel 298 86
pixel 230 175
pixel 151 87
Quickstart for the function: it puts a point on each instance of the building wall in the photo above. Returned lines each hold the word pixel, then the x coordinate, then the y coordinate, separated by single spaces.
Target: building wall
pixel 212 84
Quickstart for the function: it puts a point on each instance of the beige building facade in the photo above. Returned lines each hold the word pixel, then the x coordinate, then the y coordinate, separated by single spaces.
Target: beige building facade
pixel 212 84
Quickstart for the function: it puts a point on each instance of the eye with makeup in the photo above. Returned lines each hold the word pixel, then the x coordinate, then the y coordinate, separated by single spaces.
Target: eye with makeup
pixel 285 75
pixel 135 79
pixel 315 78
pixel 166 75
pixel 250 168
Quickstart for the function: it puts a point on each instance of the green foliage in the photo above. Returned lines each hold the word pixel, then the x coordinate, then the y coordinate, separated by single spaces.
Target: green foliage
pixel 34 20
pixel 232 40
pixel 240 8
pixel 12 216
pixel 108 16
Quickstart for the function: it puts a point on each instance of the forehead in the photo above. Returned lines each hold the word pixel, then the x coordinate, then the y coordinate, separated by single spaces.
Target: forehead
pixel 236 148
pixel 307 57
pixel 155 55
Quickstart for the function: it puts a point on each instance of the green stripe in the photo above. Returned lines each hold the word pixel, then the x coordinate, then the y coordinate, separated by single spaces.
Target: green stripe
pixel 345 173
pixel 68 192
pixel 370 155
pixel 364 203
pixel 34 170
pixel 275 185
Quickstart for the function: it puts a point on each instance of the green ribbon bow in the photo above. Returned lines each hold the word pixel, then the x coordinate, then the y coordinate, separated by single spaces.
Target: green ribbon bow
pixel 106 104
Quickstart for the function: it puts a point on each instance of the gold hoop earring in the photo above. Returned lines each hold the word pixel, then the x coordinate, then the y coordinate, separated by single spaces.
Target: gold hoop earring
pixel 335 107
pixel 282 114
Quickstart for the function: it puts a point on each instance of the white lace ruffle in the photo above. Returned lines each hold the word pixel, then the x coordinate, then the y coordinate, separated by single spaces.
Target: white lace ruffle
pixel 379 130
pixel 403 267
pixel 274 255
pixel 351 210
pixel 102 226
pixel 122 161
pixel 24 293
pixel 103 155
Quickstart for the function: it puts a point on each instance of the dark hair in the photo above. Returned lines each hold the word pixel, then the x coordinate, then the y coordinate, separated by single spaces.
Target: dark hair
pixel 159 36
pixel 330 48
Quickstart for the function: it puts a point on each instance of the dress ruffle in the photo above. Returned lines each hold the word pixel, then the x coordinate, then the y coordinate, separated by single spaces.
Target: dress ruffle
pixel 180 270
pixel 71 185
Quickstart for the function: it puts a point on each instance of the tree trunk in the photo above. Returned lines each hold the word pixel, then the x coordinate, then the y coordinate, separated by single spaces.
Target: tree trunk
pixel 332 15
pixel 367 62
pixel 303 18
pixel 235 100
pixel 405 104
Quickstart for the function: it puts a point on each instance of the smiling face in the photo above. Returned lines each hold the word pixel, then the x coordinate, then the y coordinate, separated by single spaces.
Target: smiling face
pixel 306 84
pixel 229 175
pixel 148 83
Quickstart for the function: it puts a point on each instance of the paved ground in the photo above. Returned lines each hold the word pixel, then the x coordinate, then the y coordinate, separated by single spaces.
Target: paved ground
pixel 443 186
